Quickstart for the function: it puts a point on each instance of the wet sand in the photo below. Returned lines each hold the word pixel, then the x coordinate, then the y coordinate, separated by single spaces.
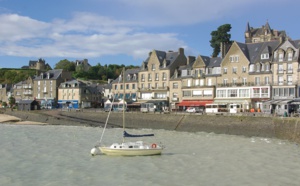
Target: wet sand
pixel 4 118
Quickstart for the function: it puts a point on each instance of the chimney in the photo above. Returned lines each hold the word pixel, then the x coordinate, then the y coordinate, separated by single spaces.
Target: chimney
pixel 181 51
pixel 190 59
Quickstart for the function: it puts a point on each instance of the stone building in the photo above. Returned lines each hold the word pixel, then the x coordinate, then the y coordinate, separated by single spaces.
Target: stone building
pixel 263 34
pixel 46 86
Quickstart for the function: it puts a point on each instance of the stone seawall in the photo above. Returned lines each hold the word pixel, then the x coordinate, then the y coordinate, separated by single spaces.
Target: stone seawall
pixel 271 127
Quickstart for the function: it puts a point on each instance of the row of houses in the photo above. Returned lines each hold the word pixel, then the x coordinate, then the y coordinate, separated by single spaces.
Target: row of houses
pixel 262 74
pixel 54 89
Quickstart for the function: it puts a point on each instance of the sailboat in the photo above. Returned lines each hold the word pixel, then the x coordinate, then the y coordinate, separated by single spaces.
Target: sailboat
pixel 136 148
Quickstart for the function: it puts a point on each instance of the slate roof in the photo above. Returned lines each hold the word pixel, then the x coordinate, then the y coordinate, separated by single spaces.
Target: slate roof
pixel 54 74
pixel 128 72
pixel 253 50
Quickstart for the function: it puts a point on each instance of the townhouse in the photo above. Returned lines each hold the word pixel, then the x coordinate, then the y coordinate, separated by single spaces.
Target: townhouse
pixel 196 82
pixel 5 92
pixel 125 89
pixel 155 74
pixel 78 94
pixel 45 86
pixel 23 90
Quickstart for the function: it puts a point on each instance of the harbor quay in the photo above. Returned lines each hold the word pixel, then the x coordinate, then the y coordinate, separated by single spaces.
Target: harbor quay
pixel 285 128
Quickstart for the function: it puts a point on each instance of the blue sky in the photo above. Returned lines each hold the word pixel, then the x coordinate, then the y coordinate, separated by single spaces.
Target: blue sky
pixel 125 31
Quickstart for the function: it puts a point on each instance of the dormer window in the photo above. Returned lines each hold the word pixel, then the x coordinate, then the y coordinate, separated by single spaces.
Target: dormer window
pixel 48 75
pixel 280 57
pixel 257 67
pixel 128 77
pixel 264 56
pixel 267 67
pixel 134 77
pixel 164 64
pixel 290 56
pixel 42 75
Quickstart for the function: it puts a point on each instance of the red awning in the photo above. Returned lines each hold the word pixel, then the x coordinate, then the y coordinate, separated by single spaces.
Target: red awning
pixel 195 103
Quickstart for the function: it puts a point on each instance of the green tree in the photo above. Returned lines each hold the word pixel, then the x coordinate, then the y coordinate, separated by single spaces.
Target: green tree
pixel 11 101
pixel 10 76
pixel 4 104
pixel 219 36
pixel 66 65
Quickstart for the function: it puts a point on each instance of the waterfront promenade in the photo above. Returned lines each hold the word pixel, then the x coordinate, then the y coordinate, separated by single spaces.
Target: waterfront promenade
pixel 285 128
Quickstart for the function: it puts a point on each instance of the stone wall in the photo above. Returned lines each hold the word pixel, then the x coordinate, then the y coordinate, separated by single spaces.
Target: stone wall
pixel 270 127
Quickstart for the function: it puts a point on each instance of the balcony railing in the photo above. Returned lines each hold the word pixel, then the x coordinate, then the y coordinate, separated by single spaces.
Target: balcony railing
pixel 27 86
pixel 198 86
pixel 244 84
pixel 27 93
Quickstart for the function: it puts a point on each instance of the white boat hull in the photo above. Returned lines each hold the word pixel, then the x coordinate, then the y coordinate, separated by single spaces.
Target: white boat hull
pixel 130 152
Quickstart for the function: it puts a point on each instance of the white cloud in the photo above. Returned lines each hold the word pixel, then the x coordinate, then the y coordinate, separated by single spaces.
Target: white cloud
pixel 85 34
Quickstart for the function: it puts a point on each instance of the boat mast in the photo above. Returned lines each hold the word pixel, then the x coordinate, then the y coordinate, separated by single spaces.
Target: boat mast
pixel 123 103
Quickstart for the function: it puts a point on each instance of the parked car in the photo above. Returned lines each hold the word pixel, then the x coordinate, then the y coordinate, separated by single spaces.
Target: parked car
pixel 194 110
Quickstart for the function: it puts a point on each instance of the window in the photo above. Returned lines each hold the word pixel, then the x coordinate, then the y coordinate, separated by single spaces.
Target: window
pixel 290 80
pixel 257 67
pixel 264 92
pixel 116 87
pixel 225 71
pixel 164 85
pixel 280 80
pixel 234 80
pixel 244 69
pixel 128 77
pixel 149 85
pixel 143 77
pixel 280 68
pixel 291 92
pixel 244 93
pixel 153 67
pixel 127 86
pixel 267 67
pixel 232 93
pixel 207 93
pixel 175 85
pixel 197 92
pixel 186 93
pixel 164 76
pixel 244 81
pixel 256 92
pixel 280 57
pixel 134 77
pixel 290 67
pixel 175 96
pixel 290 56
pixel 234 70
pixel 234 58
pixel 221 93
pixel 264 56
pixel 225 81
pixel 267 81
pixel 188 82
pixel 149 77
pixel 133 86
pixel 257 80
pixel 251 68
pixel 156 76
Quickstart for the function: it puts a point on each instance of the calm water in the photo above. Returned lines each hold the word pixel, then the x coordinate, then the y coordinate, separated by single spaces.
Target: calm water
pixel 60 155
